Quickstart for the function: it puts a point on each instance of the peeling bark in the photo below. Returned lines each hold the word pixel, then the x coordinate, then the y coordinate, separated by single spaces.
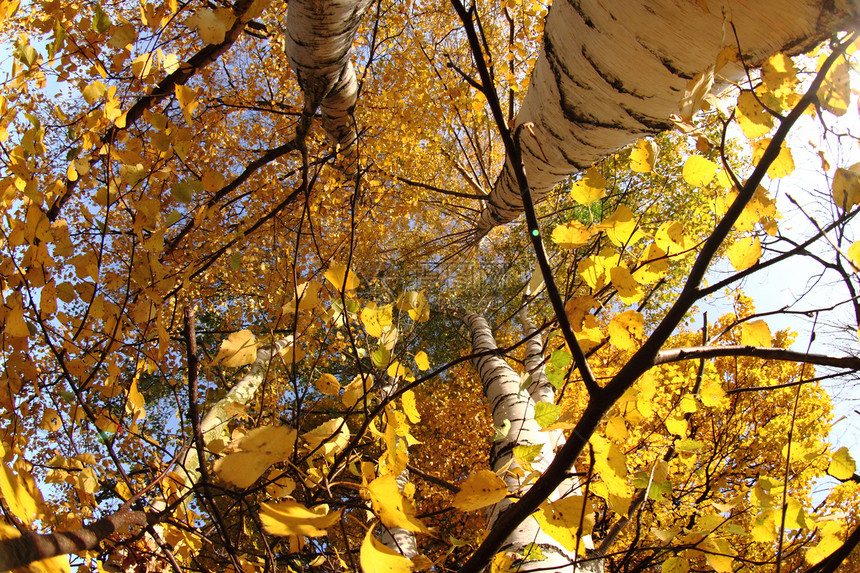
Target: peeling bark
pixel 610 73
pixel 319 37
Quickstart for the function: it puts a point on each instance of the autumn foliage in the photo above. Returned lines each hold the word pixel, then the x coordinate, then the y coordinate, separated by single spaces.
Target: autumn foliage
pixel 231 343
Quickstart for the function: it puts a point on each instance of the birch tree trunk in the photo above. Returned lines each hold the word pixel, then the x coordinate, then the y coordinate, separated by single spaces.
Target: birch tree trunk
pixel 398 538
pixel 509 404
pixel 610 73
pixel 319 37
pixel 212 426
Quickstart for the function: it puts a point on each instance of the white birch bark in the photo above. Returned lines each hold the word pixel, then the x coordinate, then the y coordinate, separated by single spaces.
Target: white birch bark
pixel 502 388
pixel 397 538
pixel 319 36
pixel 214 423
pixel 610 73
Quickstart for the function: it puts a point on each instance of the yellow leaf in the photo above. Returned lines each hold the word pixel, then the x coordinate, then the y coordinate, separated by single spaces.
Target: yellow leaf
pixel 722 557
pixel 578 308
pixel 610 463
pixel 616 429
pixel 398 370
pixel 328 385
pixel 341 278
pixel 744 253
pixel 422 361
pixel 281 486
pixel 416 304
pixel 377 558
pixel 835 92
pixel 754 120
pixel 590 188
pixel 626 329
pixel 20 493
pixel 250 456
pixel 622 227
pixel 652 264
pixel 795 515
pixel 187 99
pixel 846 187
pixel 480 489
pixel 502 563
pixel 756 333
pixel 239 349
pixel 307 297
pixel 50 420
pixel 328 439
pixel 854 255
pixel 392 508
pixel 536 284
pixel 676 425
pixel 212 25
pixel 354 391
pixel 676 564
pixel 689 404
pixel 643 156
pixel 410 407
pixel 628 289
pixel 375 319
pixel 842 466
pixel 142 66
pixel 562 519
pixel 15 325
pixel 782 166
pixel 831 540
pixel 571 235
pixel 698 171
pixel 135 402
pixel 292 518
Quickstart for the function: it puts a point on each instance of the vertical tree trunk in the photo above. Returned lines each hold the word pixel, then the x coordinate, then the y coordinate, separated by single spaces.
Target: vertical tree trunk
pixel 319 37
pixel 398 538
pixel 508 403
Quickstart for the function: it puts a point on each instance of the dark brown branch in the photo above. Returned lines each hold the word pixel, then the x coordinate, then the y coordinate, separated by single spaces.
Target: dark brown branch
pixel 439 189
pixel 694 352
pixel 30 547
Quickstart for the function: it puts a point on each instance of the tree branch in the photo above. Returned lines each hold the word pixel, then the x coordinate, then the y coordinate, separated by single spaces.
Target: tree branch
pixel 693 352
pixel 30 547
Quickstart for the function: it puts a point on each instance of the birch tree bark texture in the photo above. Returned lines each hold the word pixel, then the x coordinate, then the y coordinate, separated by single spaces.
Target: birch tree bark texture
pixel 509 404
pixel 319 37
pixel 610 73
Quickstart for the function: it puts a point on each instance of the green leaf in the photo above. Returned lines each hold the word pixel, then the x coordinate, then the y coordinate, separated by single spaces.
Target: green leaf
pixel 184 190
pixel 527 454
pixel 380 357
pixel 101 22
pixel 560 359
pixel 235 260
pixel 501 432
pixel 555 377
pixel 546 413
pixel 27 54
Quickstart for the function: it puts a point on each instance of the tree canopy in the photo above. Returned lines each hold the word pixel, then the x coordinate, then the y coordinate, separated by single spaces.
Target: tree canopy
pixel 418 285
